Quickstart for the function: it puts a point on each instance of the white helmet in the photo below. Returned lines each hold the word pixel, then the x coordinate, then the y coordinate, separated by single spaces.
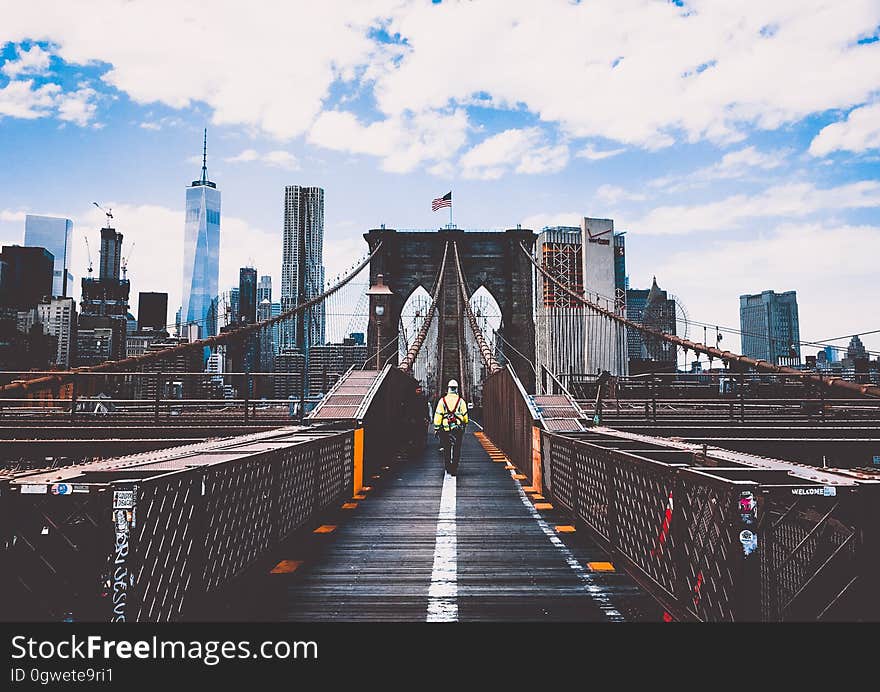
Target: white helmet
pixel 453 383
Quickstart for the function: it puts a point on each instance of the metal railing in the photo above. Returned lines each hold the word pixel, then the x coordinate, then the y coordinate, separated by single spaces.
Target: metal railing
pixel 151 537
pixel 716 538
pixel 508 417
pixel 722 544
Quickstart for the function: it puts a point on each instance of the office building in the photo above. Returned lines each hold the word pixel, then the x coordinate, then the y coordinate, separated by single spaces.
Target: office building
pixel 247 295
pixel 94 345
pixel 830 354
pixel 201 251
pixel 27 276
pixel 604 277
pixel 58 319
pixel 267 342
pixel 559 318
pixel 264 289
pixel 302 266
pixel 652 308
pixel 856 349
pixel 288 378
pixel 138 342
pixel 769 326
pixel 56 235
pixel 177 380
pixel 152 311
pixel 329 362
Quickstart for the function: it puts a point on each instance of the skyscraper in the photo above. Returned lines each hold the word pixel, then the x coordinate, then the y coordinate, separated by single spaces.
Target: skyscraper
pixel 302 265
pixel 604 276
pixel 656 309
pixel 56 235
pixel 152 311
pixel 201 251
pixel 247 295
pixel 264 289
pixel 58 317
pixel 27 276
pixel 769 326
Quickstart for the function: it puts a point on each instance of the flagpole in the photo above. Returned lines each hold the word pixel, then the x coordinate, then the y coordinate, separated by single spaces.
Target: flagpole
pixel 450 209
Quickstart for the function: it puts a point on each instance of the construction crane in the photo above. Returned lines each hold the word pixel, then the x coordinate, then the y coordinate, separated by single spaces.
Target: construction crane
pixel 89 253
pixel 108 213
pixel 125 261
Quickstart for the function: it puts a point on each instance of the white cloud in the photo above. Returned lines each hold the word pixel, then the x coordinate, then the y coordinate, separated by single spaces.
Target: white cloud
pixel 282 159
pixel 613 194
pixel 245 156
pixel 792 200
pixel 285 56
pixel 859 132
pixel 7 215
pixel 524 151
pixel 832 268
pixel 636 71
pixel 78 106
pixel 33 60
pixel 403 142
pixel 734 164
pixel 160 124
pixel 590 153
pixel 278 158
pixel 639 72
pixel 20 99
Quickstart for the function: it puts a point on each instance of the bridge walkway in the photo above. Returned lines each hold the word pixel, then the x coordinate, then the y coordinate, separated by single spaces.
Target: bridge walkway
pixel 422 545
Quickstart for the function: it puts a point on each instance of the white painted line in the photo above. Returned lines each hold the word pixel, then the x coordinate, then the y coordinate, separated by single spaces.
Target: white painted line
pixel 584 575
pixel 443 593
pixel 477 424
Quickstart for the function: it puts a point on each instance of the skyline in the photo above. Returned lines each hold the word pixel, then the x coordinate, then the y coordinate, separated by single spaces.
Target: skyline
pixel 772 184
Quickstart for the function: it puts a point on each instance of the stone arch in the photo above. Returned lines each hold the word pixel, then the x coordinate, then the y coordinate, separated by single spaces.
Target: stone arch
pixel 487 310
pixel 412 316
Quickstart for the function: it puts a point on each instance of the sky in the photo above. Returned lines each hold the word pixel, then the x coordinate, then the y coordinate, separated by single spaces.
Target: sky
pixel 737 144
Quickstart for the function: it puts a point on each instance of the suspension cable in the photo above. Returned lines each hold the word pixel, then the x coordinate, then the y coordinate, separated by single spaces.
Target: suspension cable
pixel 62 377
pixel 413 351
pixel 724 356
pixel 485 352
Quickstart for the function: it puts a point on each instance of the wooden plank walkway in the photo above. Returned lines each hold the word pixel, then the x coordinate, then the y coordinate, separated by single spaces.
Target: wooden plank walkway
pixel 426 546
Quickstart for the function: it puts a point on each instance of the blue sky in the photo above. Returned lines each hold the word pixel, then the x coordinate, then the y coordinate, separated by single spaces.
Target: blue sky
pixel 737 147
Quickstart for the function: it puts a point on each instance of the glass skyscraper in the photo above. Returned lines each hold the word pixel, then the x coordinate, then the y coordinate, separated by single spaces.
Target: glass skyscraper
pixel 769 326
pixel 56 235
pixel 201 252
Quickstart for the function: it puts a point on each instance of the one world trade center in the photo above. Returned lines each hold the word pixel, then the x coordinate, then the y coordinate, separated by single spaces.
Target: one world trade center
pixel 201 254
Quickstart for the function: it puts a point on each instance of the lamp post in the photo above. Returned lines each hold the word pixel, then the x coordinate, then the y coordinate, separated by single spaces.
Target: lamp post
pixel 380 313
pixel 380 296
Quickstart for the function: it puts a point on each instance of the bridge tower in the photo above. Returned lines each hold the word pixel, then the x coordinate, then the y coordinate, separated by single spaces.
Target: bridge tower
pixel 492 259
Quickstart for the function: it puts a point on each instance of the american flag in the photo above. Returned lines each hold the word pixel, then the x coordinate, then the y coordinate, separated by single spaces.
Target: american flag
pixel 440 202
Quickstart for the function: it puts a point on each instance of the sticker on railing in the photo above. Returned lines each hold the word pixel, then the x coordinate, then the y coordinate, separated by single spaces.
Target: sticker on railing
pixel 33 490
pixel 827 491
pixel 61 489
pixel 123 499
pixel 748 508
pixel 749 541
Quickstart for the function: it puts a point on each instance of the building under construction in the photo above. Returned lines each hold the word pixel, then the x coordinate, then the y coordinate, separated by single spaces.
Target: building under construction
pixel 559 318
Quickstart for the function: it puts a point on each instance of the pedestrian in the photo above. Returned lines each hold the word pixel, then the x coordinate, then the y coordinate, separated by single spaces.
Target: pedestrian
pixel 450 421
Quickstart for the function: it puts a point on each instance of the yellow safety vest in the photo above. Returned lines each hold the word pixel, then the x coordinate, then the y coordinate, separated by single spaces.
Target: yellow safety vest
pixel 450 415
